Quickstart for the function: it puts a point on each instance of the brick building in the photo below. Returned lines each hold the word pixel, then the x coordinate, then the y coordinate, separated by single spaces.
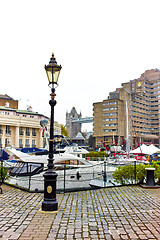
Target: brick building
pixel 7 101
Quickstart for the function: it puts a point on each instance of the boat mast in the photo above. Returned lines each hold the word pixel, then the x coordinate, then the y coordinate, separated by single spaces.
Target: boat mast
pixel 127 135
pixel 113 138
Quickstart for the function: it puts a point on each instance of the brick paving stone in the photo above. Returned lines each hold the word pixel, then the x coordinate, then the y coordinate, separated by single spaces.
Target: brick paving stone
pixel 114 213
pixel 123 236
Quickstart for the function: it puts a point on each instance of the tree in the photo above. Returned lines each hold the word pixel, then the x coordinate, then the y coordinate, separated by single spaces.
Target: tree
pixel 64 131
pixel 91 141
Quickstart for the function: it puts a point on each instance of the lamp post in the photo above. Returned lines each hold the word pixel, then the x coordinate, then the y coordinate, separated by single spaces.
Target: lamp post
pixel 50 176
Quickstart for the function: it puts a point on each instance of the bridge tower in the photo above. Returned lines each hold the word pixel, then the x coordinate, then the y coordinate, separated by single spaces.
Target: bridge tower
pixel 73 128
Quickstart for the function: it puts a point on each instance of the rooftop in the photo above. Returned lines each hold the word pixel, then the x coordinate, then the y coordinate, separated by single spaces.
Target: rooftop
pixel 20 111
pixel 5 96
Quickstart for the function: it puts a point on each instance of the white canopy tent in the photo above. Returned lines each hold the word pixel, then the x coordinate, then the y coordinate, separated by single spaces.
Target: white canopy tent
pixel 153 149
pixel 149 150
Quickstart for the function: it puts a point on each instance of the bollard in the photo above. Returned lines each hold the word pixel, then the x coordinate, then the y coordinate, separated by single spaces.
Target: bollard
pixel 150 177
pixel 30 168
pixel 64 178
pixel 104 173
pixel 135 172
pixel 1 181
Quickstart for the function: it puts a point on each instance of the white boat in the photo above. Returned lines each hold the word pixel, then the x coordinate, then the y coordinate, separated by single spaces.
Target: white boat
pixel 73 149
pixel 62 144
pixel 66 157
pixel 58 157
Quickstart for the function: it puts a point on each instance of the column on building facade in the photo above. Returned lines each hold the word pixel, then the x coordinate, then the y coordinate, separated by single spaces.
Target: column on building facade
pixel 17 137
pixel 40 139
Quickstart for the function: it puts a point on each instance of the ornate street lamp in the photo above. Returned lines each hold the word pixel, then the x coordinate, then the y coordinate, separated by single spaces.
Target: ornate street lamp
pixel 50 176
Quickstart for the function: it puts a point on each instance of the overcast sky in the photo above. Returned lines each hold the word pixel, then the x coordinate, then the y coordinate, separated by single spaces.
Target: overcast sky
pixel 99 44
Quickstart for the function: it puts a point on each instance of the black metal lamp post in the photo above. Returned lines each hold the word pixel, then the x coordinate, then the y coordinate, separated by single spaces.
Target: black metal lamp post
pixel 50 176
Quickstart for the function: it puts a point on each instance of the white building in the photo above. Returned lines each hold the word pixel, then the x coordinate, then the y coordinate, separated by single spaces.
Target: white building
pixel 21 128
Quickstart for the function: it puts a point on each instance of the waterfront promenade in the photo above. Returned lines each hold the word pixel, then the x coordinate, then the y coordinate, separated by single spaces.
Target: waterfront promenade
pixel 129 212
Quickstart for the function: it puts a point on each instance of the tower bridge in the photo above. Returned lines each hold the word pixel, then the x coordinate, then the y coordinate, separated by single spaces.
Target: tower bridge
pixel 74 122
pixel 83 120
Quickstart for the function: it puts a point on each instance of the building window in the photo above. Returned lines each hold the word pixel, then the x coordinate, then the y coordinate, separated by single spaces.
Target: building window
pixel 115 113
pixel 27 131
pixel 8 130
pixel 111 103
pixel 20 143
pixel 1 131
pixel 105 114
pixel 33 132
pixel 7 142
pixel 113 124
pixel 105 103
pixel 20 131
pixel 27 143
pixel 33 143
pixel 0 142
pixel 113 119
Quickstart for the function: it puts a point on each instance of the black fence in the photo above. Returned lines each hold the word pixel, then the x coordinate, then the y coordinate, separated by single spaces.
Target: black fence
pixel 99 174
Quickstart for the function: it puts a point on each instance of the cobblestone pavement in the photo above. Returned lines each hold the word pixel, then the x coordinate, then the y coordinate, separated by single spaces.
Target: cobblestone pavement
pixel 128 212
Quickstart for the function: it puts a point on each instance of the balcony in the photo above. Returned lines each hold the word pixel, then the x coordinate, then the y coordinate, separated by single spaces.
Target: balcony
pixel 1 131
pixel 27 134
pixel 34 134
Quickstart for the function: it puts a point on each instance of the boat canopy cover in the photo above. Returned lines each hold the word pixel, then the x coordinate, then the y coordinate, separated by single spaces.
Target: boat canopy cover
pixel 58 158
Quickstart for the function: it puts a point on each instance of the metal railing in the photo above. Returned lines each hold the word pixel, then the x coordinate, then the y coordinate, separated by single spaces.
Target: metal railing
pixel 1 179
pixel 98 175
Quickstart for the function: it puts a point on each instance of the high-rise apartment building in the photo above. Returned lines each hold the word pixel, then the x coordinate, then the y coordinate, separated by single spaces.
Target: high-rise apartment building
pixel 131 113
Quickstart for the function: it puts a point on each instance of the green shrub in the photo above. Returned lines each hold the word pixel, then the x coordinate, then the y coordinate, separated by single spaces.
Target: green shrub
pixel 5 173
pixel 158 162
pixel 156 172
pixel 125 174
pixel 96 155
pixel 141 172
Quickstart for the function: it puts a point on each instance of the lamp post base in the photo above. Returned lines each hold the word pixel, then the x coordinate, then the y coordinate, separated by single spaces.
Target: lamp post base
pixel 50 205
pixel 50 202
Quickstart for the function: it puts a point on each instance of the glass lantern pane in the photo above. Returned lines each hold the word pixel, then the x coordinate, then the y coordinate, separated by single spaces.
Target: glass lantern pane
pixel 49 75
pixel 56 75
pixel 56 70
